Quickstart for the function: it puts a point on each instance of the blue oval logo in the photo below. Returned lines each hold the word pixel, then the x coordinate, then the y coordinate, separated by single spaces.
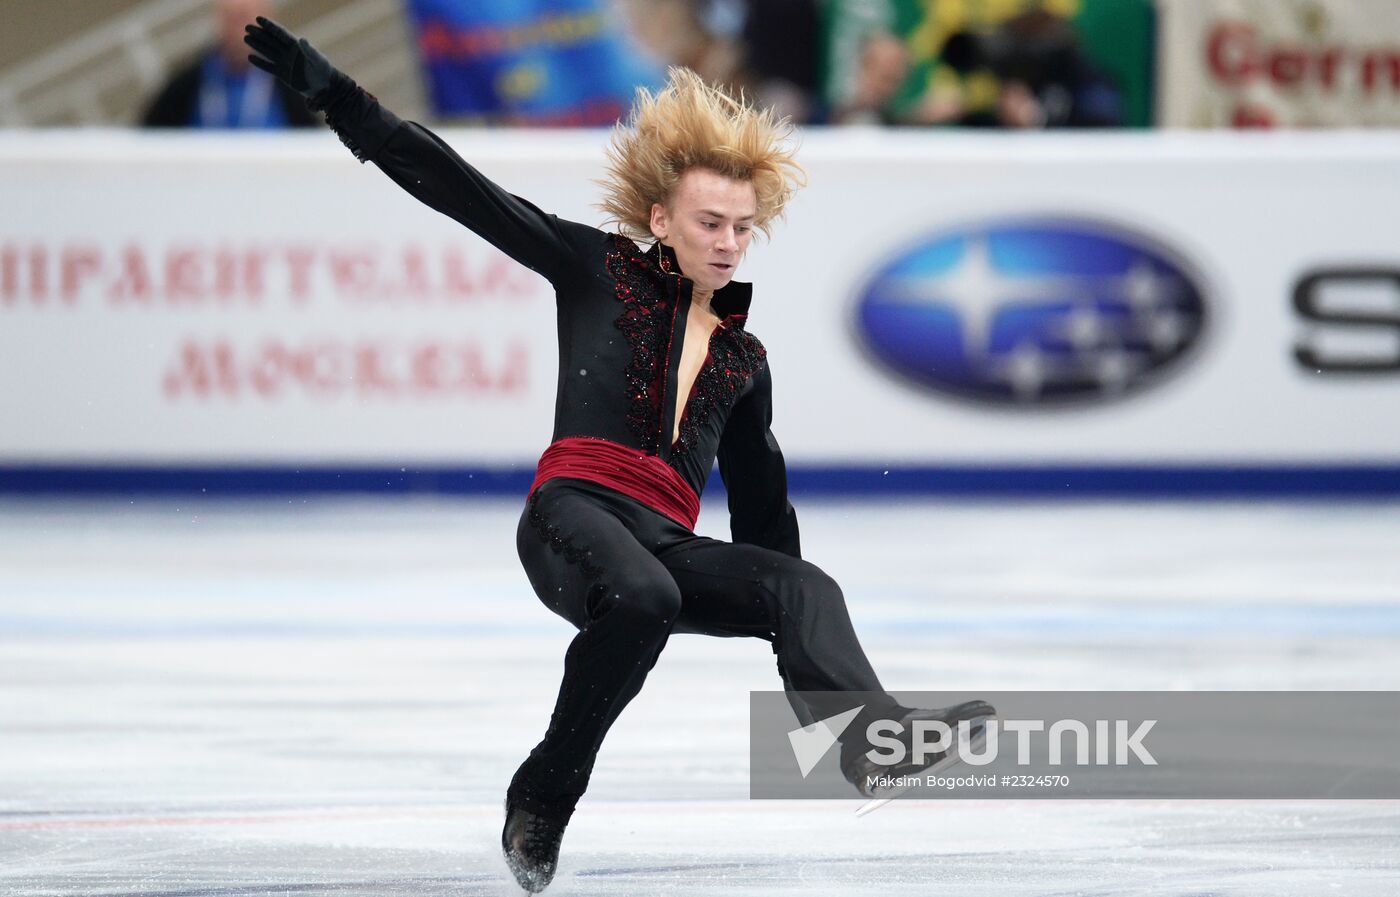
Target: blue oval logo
pixel 1032 311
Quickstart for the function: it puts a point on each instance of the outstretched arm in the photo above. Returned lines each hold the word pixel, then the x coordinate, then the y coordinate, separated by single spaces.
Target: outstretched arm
pixel 754 474
pixel 414 157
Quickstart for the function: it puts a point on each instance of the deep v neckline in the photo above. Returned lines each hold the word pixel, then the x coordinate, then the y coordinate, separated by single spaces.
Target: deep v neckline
pixel 683 409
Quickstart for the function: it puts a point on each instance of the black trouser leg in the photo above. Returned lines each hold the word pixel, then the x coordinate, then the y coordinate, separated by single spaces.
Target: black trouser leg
pixel 627 577
pixel 588 567
pixel 729 589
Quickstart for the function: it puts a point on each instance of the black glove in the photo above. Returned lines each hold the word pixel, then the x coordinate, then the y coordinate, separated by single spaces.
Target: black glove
pixel 295 62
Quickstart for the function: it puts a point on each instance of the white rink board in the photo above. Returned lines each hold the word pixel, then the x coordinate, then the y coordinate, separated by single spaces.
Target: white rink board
pixel 266 300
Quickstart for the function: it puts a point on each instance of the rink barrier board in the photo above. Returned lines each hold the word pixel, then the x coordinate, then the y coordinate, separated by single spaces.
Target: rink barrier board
pixel 1124 481
pixel 148 334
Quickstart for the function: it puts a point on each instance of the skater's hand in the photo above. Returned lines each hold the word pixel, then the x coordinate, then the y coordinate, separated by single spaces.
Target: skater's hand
pixel 295 62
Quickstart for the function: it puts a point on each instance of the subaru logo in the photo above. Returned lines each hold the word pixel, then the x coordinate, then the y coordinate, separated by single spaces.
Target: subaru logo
pixel 1032 311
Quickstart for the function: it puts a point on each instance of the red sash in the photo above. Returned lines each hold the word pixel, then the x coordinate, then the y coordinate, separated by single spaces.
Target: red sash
pixel 630 471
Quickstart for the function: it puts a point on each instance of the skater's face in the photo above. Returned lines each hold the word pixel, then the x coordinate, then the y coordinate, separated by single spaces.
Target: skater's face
pixel 708 221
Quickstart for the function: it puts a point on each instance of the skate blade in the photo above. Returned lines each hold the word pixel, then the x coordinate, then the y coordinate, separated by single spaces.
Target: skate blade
pixel 883 796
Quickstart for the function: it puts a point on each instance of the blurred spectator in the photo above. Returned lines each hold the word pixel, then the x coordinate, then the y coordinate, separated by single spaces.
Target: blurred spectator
pixel 1044 80
pixel 1013 64
pixel 768 50
pixel 781 57
pixel 883 67
pixel 681 32
pixel 221 90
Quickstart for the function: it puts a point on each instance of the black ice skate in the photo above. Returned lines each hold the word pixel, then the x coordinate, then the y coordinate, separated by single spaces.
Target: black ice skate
pixel 531 845
pixel 864 772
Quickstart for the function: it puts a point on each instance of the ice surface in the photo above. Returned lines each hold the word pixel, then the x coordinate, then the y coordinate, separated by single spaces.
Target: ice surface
pixel 328 697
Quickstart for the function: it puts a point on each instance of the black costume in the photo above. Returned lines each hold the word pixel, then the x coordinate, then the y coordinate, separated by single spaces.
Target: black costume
pixel 607 533
pixel 622 572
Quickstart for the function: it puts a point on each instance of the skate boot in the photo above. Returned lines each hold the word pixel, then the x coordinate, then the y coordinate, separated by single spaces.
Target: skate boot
pixel 860 770
pixel 531 845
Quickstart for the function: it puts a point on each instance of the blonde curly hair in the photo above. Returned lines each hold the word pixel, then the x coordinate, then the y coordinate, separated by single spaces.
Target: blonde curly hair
pixel 689 124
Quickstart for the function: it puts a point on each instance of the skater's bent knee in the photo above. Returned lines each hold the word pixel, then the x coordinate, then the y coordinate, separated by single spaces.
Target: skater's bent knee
pixel 654 599
pixel 810 582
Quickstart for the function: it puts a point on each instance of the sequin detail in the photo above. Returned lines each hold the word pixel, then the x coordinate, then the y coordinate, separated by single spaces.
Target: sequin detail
pixel 337 102
pixel 735 356
pixel 645 321
pixel 550 534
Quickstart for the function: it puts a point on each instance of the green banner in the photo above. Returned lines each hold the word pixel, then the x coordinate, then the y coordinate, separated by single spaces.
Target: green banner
pixel 1114 38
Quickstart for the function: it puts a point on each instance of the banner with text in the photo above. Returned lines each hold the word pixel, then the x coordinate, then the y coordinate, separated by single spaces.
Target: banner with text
pixel 555 62
pixel 1278 63
pixel 947 301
